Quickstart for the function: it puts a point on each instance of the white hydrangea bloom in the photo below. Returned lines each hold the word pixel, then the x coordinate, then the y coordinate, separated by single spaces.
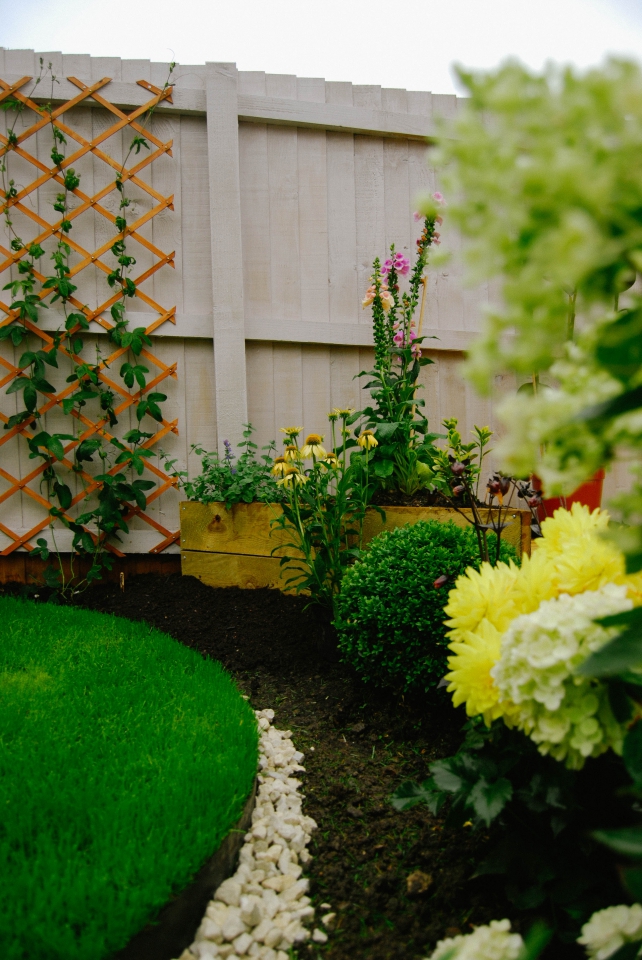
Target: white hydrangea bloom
pixel 568 716
pixel 494 942
pixel 610 929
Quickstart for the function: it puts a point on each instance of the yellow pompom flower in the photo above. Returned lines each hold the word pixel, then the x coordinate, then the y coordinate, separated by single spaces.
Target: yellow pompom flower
pixel 475 654
pixel 482 595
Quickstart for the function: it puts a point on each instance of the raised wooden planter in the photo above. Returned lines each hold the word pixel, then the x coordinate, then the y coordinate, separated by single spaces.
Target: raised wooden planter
pixel 232 548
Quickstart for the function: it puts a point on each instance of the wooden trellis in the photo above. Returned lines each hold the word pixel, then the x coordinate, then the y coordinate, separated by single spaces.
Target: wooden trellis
pixel 88 95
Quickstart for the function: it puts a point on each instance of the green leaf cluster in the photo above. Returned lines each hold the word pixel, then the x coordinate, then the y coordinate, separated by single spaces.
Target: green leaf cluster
pixel 538 816
pixel 229 479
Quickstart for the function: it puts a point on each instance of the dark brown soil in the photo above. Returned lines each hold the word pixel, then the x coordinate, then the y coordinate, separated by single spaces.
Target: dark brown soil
pixel 422 498
pixel 360 744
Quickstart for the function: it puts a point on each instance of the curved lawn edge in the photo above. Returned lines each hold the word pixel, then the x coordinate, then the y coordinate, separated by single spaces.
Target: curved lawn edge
pixel 125 760
pixel 173 930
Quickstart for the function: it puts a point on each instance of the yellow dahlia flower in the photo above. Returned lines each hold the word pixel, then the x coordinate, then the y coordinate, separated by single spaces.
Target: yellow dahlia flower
pixel 475 654
pixel 570 525
pixel 536 581
pixel 482 595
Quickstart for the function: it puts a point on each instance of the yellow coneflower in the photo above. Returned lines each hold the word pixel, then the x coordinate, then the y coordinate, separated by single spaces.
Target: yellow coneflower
pixel 279 466
pixel 331 459
pixel 333 416
pixel 343 412
pixel 292 478
pixel 312 446
pixel 292 452
pixel 367 440
pixel 291 431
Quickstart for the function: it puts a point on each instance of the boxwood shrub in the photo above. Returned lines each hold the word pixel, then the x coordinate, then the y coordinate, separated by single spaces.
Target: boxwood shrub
pixel 389 615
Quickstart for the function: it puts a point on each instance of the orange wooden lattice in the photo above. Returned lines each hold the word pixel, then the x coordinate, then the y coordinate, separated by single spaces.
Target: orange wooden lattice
pixel 88 95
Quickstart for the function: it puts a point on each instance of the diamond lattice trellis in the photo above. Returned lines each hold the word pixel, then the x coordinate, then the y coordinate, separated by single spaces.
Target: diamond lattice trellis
pixel 89 96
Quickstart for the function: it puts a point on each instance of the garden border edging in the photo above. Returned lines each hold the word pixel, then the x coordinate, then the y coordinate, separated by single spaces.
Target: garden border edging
pixel 173 931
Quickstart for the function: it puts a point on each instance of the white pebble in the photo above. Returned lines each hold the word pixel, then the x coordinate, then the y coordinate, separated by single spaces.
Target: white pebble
pixel 260 911
pixel 242 943
pixel 233 927
pixel 229 892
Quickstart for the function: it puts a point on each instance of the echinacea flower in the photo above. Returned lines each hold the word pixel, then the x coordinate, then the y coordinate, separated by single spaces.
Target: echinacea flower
pixel 279 466
pixel 292 478
pixel 343 412
pixel 291 452
pixel 367 440
pixel 313 447
pixel 331 459
pixel 291 431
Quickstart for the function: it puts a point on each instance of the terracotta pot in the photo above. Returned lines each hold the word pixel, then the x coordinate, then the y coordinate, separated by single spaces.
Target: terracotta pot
pixel 589 493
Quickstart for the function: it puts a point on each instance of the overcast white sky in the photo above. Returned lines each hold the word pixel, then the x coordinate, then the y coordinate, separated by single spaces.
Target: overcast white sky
pixel 399 43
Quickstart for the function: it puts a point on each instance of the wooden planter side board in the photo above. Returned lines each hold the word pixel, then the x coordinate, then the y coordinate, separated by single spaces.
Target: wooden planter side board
pixel 232 548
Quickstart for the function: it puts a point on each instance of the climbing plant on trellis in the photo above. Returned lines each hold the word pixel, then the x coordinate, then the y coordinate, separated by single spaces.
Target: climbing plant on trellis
pixel 95 395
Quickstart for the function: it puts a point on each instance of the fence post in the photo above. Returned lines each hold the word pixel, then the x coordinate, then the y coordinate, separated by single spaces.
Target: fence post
pixel 227 252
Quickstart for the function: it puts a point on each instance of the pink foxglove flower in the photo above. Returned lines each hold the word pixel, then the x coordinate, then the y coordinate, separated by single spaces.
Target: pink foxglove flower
pixel 387 300
pixel 439 198
pixel 400 263
pixel 371 293
pixel 417 216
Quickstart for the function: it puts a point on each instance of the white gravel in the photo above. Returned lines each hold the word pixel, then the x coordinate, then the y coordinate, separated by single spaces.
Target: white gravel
pixel 262 910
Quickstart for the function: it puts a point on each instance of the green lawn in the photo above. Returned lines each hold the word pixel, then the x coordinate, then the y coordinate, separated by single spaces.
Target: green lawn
pixel 124 760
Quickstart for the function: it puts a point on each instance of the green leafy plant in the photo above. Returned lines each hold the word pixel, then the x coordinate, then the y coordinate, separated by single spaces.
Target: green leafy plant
pixel 539 814
pixel 457 471
pixel 324 509
pixel 401 460
pixel 390 613
pixel 229 479
pixel 99 523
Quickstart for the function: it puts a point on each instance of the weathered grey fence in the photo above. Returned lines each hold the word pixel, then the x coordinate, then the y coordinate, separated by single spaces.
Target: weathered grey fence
pixel 284 190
